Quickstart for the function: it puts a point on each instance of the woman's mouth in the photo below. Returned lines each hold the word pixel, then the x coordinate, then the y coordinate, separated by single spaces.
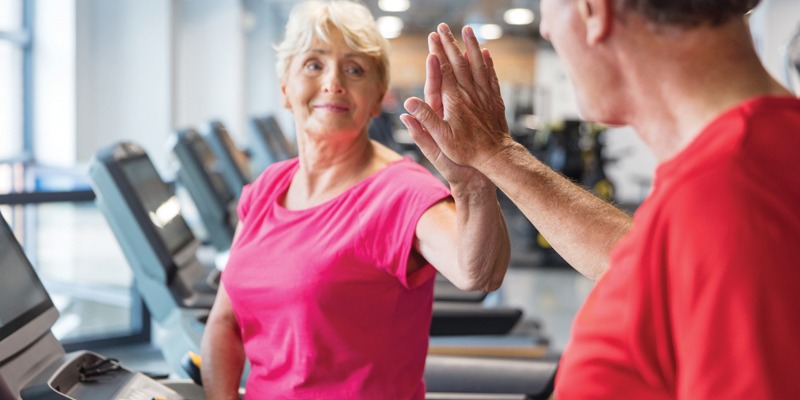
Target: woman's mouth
pixel 331 107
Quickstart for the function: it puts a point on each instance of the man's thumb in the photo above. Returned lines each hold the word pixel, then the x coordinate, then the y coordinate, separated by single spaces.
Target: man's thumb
pixel 423 113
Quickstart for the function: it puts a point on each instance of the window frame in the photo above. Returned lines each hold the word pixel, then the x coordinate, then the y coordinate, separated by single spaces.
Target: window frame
pixel 25 195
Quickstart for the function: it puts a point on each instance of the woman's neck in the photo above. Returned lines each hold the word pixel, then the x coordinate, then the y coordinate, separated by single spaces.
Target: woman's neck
pixel 328 168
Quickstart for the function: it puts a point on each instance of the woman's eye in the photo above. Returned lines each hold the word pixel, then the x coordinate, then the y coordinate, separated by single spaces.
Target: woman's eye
pixel 313 66
pixel 355 70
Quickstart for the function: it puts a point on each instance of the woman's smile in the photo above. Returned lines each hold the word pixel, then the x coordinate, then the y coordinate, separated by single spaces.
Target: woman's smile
pixel 331 107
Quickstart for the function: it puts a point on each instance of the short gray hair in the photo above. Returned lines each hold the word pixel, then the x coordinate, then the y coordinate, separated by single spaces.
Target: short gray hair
pixel 315 19
pixel 688 12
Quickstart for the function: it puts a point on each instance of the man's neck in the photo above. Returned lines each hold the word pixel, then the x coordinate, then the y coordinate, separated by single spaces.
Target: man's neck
pixel 684 79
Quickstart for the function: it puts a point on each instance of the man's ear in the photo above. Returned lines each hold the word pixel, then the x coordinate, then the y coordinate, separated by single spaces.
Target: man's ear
pixel 598 16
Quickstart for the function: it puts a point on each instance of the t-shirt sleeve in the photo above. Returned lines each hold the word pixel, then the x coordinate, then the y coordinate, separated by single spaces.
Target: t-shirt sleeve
pixel 735 284
pixel 394 210
pixel 245 201
pixel 255 193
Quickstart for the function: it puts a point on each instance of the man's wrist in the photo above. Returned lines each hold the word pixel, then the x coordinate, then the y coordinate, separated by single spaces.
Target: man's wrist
pixel 496 158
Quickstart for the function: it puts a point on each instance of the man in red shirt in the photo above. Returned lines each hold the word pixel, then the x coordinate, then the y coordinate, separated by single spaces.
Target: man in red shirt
pixel 697 295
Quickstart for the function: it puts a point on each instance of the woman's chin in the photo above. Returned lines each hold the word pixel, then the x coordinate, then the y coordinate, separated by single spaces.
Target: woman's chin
pixel 333 126
pixel 331 131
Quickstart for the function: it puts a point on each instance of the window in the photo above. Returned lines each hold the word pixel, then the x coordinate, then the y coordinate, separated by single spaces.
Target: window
pixel 13 41
pixel 52 213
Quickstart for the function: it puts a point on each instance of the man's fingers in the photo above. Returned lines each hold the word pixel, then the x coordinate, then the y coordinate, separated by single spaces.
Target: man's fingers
pixel 455 57
pixel 477 64
pixel 425 115
pixel 423 140
pixel 493 81
pixel 429 148
pixel 433 85
pixel 495 85
pixel 448 80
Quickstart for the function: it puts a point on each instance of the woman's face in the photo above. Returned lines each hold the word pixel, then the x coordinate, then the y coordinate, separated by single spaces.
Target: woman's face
pixel 332 90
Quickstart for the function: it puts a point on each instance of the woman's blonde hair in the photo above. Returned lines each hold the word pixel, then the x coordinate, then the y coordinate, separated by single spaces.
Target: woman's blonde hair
pixel 315 19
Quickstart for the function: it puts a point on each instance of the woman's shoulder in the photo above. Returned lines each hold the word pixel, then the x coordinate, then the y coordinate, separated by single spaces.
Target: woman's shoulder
pixel 276 171
pixel 407 170
pixel 396 168
pixel 405 176
pixel 270 180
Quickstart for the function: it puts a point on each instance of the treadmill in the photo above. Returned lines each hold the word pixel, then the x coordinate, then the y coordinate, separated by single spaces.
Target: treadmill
pixel 233 163
pixel 202 176
pixel 34 365
pixel 144 214
pixel 268 144
pixel 287 149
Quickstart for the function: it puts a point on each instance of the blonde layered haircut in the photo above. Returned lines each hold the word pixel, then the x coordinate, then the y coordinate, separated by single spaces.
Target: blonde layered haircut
pixel 317 19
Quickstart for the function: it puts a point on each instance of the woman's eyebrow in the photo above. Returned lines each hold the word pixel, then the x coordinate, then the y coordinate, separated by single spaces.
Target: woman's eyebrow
pixel 350 54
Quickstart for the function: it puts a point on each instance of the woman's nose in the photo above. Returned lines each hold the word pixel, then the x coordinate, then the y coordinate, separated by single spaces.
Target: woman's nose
pixel 332 82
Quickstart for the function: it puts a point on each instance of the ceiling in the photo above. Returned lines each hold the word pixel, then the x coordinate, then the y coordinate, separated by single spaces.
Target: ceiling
pixel 424 15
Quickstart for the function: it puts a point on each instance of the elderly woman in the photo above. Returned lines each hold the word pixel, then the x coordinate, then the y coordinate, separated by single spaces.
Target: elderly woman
pixel 329 287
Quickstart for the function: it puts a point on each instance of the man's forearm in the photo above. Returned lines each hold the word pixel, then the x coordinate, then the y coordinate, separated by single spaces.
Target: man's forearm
pixel 581 227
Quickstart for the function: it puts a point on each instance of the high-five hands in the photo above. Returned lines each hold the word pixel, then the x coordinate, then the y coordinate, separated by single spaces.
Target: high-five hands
pixel 462 122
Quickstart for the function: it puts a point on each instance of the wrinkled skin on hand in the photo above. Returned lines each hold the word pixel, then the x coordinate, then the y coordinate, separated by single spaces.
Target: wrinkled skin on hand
pixel 464 118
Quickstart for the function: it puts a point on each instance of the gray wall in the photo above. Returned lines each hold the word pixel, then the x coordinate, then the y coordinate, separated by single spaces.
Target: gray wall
pixel 140 69
pixel 123 74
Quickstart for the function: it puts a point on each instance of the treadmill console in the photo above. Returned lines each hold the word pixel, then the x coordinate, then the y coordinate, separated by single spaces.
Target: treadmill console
pixel 33 364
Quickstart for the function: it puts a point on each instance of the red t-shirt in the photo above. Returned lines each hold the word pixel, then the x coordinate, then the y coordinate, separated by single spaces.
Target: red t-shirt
pixel 702 297
pixel 323 301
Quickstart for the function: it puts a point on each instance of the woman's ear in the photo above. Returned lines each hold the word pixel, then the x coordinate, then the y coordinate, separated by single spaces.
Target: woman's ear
pixel 286 104
pixel 597 15
pixel 378 106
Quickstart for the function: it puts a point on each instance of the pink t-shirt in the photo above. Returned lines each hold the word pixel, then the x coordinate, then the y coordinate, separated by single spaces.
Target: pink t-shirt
pixel 324 303
pixel 700 300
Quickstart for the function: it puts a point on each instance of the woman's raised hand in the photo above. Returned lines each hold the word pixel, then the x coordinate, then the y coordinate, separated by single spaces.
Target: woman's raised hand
pixel 462 120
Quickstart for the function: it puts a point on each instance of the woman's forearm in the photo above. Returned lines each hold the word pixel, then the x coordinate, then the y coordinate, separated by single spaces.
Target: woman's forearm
pixel 222 351
pixel 483 247
pixel 223 363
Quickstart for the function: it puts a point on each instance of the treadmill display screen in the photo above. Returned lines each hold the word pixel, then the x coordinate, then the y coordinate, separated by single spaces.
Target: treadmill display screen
pixel 238 158
pixel 209 162
pixel 161 205
pixel 268 142
pixel 20 283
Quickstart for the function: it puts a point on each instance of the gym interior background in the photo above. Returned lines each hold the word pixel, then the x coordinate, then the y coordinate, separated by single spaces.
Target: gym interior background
pixel 78 75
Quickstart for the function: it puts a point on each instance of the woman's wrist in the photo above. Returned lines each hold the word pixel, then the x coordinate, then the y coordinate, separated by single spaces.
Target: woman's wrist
pixel 476 190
